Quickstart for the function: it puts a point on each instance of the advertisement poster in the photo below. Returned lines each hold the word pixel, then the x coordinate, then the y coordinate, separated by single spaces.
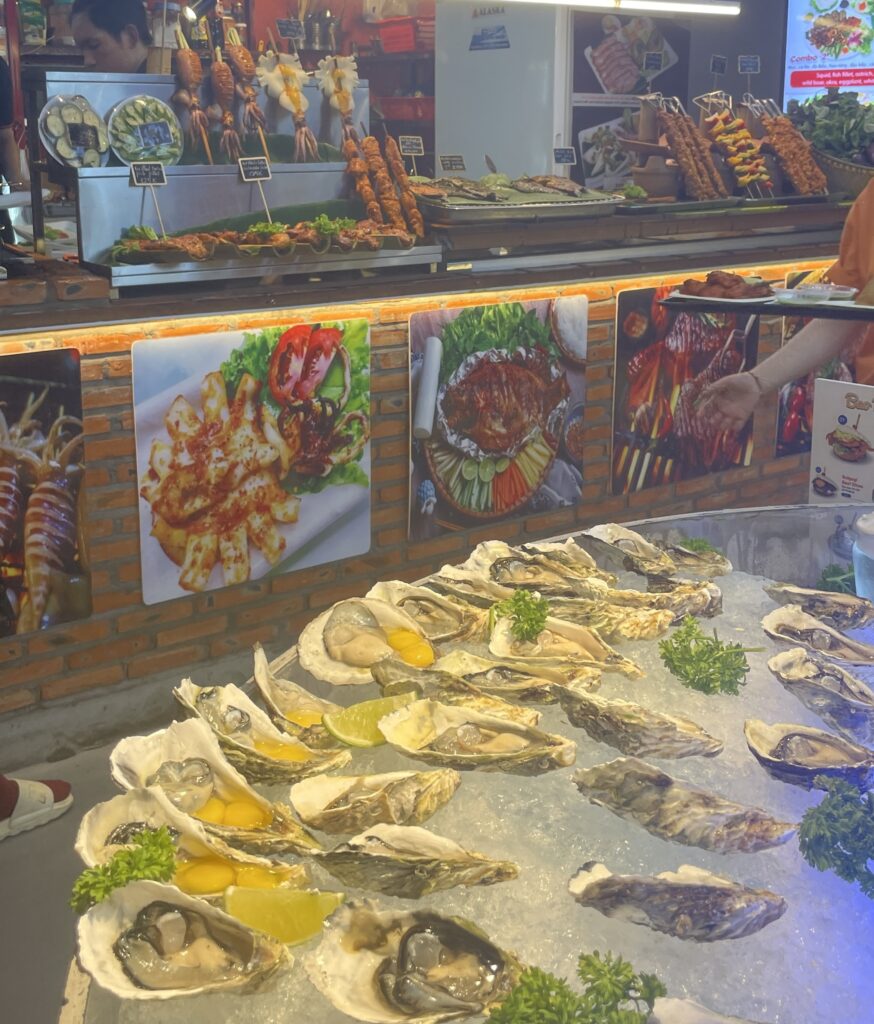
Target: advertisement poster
pixel 841 462
pixel 44 577
pixel 617 60
pixel 253 454
pixel 498 395
pixel 795 414
pixel 829 44
pixel 664 361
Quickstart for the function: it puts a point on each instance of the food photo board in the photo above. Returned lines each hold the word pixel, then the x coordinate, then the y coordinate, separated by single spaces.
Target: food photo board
pixel 44 580
pixel 841 460
pixel 253 454
pixel 664 361
pixel 498 398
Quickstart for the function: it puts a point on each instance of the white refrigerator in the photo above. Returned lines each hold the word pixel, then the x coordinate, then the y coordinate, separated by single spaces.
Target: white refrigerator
pixel 503 85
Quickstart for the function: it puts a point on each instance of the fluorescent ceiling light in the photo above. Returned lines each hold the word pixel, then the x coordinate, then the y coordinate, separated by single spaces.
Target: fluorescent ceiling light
pixel 724 7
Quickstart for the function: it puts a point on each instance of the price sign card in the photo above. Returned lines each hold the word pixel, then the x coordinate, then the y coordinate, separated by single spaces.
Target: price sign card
pixel 841 459
pixel 411 145
pixel 452 164
pixel 749 64
pixel 718 64
pixel 654 60
pixel 148 174
pixel 255 168
pixel 289 28
pixel 565 156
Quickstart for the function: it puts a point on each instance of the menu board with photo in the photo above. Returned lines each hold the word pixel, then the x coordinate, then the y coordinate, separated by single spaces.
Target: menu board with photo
pixel 664 361
pixel 829 44
pixel 841 462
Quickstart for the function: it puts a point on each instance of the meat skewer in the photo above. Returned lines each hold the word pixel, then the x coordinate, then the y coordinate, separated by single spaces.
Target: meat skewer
pixel 794 156
pixel 408 200
pixel 224 91
pixel 357 168
pixel 388 198
pixel 189 71
pixel 243 67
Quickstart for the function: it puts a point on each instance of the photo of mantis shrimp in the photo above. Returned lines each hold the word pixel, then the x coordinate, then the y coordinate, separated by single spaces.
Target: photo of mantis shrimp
pixel 43 566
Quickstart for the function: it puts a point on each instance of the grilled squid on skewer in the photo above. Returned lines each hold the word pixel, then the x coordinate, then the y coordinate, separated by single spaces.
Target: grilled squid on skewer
pixel 243 66
pixel 283 78
pixel 338 78
pixel 189 72
pixel 224 92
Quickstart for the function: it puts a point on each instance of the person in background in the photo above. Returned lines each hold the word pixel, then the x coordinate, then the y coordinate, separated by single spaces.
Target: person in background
pixel 113 35
pixel 25 804
pixel 10 154
pixel 730 402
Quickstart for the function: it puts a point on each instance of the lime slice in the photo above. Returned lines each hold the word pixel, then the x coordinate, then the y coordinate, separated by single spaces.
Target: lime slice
pixel 503 464
pixel 356 726
pixel 470 469
pixel 290 915
pixel 487 470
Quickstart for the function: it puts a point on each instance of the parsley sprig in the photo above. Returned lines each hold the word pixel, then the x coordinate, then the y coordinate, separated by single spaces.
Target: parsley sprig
pixel 612 994
pixel 699 545
pixel 838 834
pixel 528 611
pixel 705 663
pixel 838 580
pixel 151 855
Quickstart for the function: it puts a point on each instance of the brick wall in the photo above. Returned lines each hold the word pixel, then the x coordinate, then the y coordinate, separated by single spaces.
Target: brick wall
pixel 124 640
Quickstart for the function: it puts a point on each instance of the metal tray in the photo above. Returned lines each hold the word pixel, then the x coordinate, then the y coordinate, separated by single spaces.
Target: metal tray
pixel 490 213
pixel 831 197
pixel 680 206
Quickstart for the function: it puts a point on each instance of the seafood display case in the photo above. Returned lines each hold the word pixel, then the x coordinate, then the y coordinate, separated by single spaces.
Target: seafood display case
pixel 674 842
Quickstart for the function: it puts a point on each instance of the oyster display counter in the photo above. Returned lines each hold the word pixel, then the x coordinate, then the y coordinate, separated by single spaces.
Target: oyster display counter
pixel 581 777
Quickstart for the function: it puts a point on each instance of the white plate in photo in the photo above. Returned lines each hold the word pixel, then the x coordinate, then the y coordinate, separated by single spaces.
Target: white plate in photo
pixel 736 302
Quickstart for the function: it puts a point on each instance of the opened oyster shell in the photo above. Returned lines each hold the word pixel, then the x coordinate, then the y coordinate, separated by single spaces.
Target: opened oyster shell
pixel 690 903
pixel 518 680
pixel 150 941
pixel 441 619
pixel 408 861
pixel 293 708
pixel 617 547
pixel 561 640
pixel 678 811
pixel 250 741
pixel 389 967
pixel 840 611
pixel 844 703
pixel 186 762
pixel 394 677
pixel 461 738
pixel 798 753
pixel 612 622
pixel 343 804
pixel 342 644
pixel 112 825
pixel 706 564
pixel 792 625
pixel 549 569
pixel 634 729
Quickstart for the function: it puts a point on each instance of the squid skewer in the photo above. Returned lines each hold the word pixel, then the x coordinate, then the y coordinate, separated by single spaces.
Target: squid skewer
pixel 15 444
pixel 243 67
pixel 189 71
pixel 338 78
pixel 283 78
pixel 224 91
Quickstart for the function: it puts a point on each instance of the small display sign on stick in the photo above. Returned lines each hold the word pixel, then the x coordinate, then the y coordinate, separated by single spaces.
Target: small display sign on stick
pixel 150 174
pixel 254 170
pixel 452 164
pixel 289 28
pixel 749 64
pixel 718 64
pixel 654 60
pixel 412 146
pixel 565 156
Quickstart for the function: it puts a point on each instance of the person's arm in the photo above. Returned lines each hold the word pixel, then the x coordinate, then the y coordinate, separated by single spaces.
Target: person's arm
pixel 730 402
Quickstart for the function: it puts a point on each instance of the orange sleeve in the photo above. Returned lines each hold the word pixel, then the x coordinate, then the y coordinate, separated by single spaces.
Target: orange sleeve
pixel 856 259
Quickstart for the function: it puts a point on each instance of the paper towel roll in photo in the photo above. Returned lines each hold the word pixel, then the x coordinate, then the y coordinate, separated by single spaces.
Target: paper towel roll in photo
pixel 429 382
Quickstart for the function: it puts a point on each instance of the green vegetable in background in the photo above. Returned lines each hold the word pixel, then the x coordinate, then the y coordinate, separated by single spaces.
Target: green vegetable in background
pixel 612 994
pixel 699 545
pixel 838 834
pixel 507 326
pixel 705 663
pixel 151 856
pixel 838 124
pixel 631 191
pixel 328 228
pixel 253 357
pixel 837 579
pixel 265 227
pixel 528 612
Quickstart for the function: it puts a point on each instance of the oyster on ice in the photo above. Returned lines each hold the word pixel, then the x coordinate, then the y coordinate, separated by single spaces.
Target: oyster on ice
pixel 690 903
pixel 678 811
pixel 293 708
pixel 394 677
pixel 840 611
pixel 440 618
pixel 150 941
pixel 798 753
pixel 792 625
pixel 548 571
pixel 844 703
pixel 518 680
pixel 561 640
pixel 186 762
pixel 623 549
pixel 344 642
pixel 636 730
pixel 343 804
pixel 459 738
pixel 612 622
pixel 408 861
pixel 250 741
pixel 707 564
pixel 391 967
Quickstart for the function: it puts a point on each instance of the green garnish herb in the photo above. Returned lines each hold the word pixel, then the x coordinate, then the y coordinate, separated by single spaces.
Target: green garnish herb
pixel 266 227
pixel 139 232
pixel 699 545
pixel 152 856
pixel 838 834
pixel 631 191
pixel 612 994
pixel 328 228
pixel 838 580
pixel 528 612
pixel 705 663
